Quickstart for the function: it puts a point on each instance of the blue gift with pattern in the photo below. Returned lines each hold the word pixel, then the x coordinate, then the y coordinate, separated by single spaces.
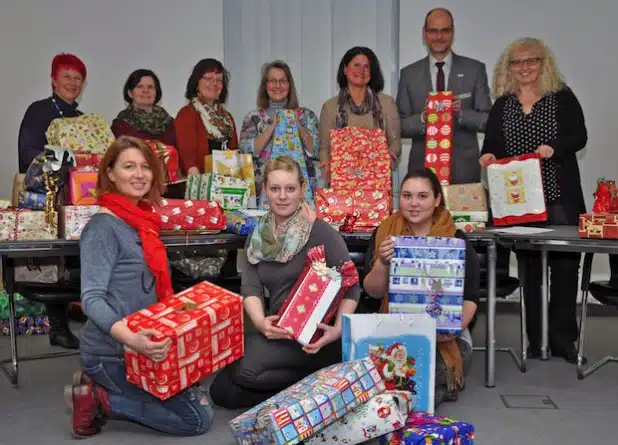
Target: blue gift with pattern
pixel 425 429
pixel 310 405
pixel 239 223
pixel 31 200
pixel 427 274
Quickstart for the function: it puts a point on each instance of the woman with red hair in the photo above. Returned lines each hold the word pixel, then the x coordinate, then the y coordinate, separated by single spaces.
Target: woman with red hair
pixel 68 74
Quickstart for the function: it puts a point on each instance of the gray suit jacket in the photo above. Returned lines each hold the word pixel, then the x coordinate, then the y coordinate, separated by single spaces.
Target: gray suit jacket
pixel 468 80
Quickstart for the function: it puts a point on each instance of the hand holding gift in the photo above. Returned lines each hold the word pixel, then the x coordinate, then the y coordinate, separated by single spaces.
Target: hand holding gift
pixel 331 334
pixel 271 331
pixel 142 343
pixel 487 159
pixel 545 151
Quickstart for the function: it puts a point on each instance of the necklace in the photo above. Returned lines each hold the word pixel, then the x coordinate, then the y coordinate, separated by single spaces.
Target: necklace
pixel 57 107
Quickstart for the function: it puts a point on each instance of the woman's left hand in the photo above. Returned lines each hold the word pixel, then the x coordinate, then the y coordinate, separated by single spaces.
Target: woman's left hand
pixel 331 334
pixel 545 151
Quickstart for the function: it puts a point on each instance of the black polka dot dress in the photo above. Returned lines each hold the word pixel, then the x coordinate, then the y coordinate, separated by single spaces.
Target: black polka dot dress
pixel 523 133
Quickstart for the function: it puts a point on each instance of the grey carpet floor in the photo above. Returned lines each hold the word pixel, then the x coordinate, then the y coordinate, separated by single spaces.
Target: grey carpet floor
pixel 546 405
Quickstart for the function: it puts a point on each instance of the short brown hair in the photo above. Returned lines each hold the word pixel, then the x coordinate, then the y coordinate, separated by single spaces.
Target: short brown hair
pixel 104 184
pixel 262 96
pixel 284 163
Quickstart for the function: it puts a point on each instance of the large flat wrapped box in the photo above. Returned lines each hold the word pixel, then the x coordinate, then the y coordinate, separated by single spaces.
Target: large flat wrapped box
pixel 598 225
pixel 427 275
pixel 465 197
pixel 205 323
pixel 309 406
pixel 27 225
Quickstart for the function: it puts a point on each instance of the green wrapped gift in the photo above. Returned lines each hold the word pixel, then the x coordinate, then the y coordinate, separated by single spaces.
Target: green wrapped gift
pixel 23 307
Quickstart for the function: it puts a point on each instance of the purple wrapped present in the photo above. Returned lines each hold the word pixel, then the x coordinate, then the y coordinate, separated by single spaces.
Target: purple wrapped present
pixel 422 429
pixel 31 325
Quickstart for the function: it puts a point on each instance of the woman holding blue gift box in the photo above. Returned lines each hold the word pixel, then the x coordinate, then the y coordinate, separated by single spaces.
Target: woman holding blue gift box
pixel 274 259
pixel 267 134
pixel 422 213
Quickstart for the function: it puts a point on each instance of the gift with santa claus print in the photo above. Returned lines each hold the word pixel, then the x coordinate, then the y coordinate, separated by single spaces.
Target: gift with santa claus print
pixel 315 297
pixel 205 324
pixel 439 134
pixel 403 348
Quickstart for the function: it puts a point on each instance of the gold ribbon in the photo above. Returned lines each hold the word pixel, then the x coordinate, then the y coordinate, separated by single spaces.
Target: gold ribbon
pixel 51 184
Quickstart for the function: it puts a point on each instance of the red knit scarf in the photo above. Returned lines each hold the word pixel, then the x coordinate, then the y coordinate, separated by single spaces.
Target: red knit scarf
pixel 148 226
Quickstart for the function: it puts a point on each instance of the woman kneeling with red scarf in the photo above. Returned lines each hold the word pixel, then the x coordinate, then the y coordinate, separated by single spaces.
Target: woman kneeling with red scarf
pixel 124 269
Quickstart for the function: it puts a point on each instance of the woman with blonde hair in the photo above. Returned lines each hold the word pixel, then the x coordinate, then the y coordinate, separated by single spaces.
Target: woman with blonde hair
pixel 277 92
pixel 535 112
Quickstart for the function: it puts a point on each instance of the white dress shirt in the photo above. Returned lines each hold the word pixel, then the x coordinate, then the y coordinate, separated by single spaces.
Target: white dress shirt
pixel 433 69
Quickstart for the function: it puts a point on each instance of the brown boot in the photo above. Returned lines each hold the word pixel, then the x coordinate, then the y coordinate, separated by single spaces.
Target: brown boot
pixel 90 408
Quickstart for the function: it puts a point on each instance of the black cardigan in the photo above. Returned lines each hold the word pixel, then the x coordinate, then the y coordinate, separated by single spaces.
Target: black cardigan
pixel 572 137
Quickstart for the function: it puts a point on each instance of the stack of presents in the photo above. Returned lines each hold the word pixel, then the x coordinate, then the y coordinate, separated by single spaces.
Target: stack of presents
pixel 603 221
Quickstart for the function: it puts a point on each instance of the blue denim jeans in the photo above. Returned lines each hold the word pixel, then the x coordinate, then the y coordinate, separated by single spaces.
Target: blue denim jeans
pixel 186 414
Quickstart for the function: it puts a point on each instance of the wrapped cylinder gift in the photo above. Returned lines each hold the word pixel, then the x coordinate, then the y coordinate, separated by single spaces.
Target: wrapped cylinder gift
pixel 516 190
pixel 205 323
pixel 309 406
pixel 168 155
pixel 315 296
pixel 427 275
pixel 31 200
pixel 188 215
pixel 73 219
pixel 361 210
pixel 83 187
pixel 439 134
pixel 231 193
pixel 403 348
pixel 423 428
pixel 27 225
pixel 383 414
pixel 87 133
pixel 598 225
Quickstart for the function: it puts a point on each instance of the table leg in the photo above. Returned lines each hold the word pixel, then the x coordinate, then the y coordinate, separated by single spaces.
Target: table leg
pixel 490 357
pixel 544 306
pixel 7 275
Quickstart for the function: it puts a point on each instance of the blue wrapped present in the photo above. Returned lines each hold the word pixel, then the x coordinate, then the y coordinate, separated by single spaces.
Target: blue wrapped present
pixel 240 223
pixel 424 429
pixel 310 405
pixel 31 200
pixel 427 275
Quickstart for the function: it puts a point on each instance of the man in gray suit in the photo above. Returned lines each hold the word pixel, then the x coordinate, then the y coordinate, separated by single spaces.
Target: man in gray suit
pixel 442 70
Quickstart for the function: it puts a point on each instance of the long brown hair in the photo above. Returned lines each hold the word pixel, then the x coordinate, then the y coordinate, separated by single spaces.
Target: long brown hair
pixel 262 96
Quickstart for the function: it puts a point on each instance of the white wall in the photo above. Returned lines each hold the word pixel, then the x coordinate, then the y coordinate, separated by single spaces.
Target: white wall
pixel 113 38
pixel 583 38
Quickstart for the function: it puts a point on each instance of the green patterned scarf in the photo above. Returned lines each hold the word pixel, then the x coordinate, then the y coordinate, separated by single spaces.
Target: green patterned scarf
pixel 154 123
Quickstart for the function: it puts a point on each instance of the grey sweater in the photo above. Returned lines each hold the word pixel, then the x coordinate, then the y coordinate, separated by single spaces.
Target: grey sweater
pixel 279 278
pixel 115 280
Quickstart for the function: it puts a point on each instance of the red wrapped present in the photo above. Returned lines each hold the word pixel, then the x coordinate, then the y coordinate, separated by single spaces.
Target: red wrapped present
pixel 439 134
pixel 359 158
pixel 82 187
pixel 315 296
pixel 598 225
pixel 87 161
pixel 184 215
pixel 205 324
pixel 605 197
pixel 169 158
pixel 361 211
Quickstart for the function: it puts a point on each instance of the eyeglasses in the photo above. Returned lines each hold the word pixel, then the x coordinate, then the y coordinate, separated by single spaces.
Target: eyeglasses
pixel 275 82
pixel 525 62
pixel 213 80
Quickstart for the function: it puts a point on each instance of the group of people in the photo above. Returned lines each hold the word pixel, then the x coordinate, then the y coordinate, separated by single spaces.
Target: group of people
pixel 534 112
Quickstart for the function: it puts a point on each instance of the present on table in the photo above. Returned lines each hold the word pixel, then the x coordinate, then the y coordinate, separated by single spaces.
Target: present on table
pixel 26 325
pixel 73 219
pixel 315 296
pixel 240 223
pixel 83 187
pixel 309 406
pixel 605 197
pixel 48 171
pixel 31 200
pixel 383 414
pixel 361 210
pixel 39 270
pixel 205 323
pixel 424 428
pixel 168 155
pixel 470 226
pixel 439 134
pixel 27 225
pixel 231 193
pixel 5 204
pixel 360 159
pixel 598 225
pixel 403 348
pixel 85 161
pixel 188 215
pixel 234 164
pixel 427 275
pixel 88 133
pixel 465 198
pixel 516 190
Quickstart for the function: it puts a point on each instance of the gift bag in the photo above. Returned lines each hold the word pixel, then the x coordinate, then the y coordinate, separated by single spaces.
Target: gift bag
pixel 439 134
pixel 315 296
pixel 168 155
pixel 605 197
pixel 52 164
pixel 516 190
pixel 403 348
pixel 427 276
pixel 231 193
pixel 86 133
pixel 232 163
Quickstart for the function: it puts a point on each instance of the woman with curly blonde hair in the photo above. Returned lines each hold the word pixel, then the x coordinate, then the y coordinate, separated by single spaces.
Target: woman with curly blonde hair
pixel 535 112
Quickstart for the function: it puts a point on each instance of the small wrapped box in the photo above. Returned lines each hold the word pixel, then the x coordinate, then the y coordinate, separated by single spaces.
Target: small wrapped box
pixel 427 275
pixel 424 428
pixel 231 193
pixel 88 162
pixel 73 219
pixel 472 226
pixel 598 225
pixel 240 223
pixel 516 190
pixel 187 215
pixel 31 200
pixel 82 187
pixel 383 414
pixel 27 225
pixel 315 296
pixel 168 155
pixel 205 323
pixel 360 210
pixel 309 406
pixel 465 198
pixel 439 134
